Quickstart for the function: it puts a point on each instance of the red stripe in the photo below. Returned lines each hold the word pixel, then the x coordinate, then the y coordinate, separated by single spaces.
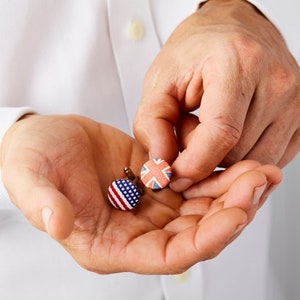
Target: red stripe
pixel 119 198
pixel 156 173
pixel 112 199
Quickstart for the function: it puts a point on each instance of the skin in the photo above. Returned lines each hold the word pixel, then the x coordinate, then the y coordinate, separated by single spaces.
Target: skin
pixel 228 60
pixel 57 169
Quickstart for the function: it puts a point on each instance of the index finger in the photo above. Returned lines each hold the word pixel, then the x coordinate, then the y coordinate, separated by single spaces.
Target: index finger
pixel 154 125
pixel 223 110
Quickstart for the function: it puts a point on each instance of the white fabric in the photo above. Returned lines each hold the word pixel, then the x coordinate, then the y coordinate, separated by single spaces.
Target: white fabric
pixel 11 115
pixel 73 56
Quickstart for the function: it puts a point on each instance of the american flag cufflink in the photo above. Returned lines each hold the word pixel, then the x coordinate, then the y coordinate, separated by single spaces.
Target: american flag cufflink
pixel 124 194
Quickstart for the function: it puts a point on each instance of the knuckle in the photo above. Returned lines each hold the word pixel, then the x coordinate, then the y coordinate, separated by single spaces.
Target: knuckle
pixel 226 132
pixel 136 125
pixel 249 48
pixel 140 118
pixel 247 43
pixel 286 81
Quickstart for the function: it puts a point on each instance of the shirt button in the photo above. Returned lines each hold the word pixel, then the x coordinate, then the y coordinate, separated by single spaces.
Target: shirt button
pixel 135 30
pixel 183 277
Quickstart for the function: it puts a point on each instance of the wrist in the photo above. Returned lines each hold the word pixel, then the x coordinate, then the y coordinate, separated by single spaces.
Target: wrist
pixel 240 13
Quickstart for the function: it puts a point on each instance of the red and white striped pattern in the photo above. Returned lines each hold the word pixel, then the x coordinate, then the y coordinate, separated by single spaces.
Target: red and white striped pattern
pixel 123 194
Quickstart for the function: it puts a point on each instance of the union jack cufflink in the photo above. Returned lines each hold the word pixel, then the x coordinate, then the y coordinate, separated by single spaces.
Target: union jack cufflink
pixel 124 194
pixel 156 174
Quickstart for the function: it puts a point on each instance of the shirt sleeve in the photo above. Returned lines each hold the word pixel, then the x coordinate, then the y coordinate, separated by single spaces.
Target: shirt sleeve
pixel 266 11
pixel 9 115
pixel 259 4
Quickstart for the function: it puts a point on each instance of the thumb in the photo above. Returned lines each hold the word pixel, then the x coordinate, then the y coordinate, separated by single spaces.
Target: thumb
pixel 42 204
pixel 201 156
pixel 154 126
pixel 54 215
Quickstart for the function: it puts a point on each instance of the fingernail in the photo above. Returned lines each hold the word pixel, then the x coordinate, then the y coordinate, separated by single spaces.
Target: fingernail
pixel 181 184
pixel 258 193
pixel 237 231
pixel 46 215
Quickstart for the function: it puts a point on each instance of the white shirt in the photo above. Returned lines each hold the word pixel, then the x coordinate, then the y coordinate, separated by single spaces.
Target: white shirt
pixel 89 57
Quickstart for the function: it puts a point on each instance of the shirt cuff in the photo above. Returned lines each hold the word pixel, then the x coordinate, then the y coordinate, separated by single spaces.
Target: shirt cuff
pixel 198 3
pixel 9 115
pixel 258 4
pixel 265 11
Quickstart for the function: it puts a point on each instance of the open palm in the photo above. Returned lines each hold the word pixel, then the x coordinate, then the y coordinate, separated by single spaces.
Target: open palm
pixel 58 168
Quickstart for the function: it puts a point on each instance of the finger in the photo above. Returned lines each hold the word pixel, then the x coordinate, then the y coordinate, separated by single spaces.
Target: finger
pixel 271 145
pixel 246 192
pixel 169 253
pixel 222 113
pixel 274 177
pixel 255 124
pixel 250 189
pixel 154 126
pixel 245 185
pixel 183 222
pixel 219 182
pixel 291 151
pixel 185 128
pixel 211 239
pixel 272 172
pixel 56 212
pixel 197 206
pixel 44 206
pixel 243 193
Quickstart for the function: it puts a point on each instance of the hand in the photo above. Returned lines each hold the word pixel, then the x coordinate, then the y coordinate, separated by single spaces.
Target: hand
pixel 231 62
pixel 57 170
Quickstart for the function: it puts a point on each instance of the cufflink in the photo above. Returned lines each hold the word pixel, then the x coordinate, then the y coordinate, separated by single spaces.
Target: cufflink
pixel 156 174
pixel 124 194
